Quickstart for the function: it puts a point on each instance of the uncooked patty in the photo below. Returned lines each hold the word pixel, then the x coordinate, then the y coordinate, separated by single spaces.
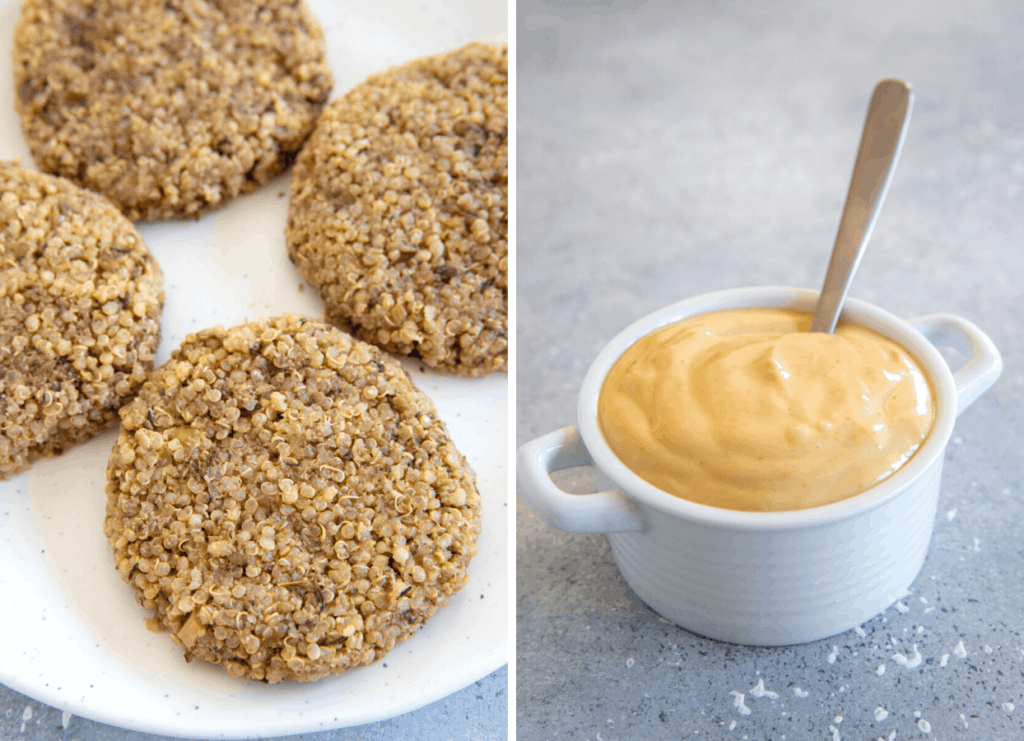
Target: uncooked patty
pixel 399 210
pixel 168 107
pixel 80 306
pixel 287 500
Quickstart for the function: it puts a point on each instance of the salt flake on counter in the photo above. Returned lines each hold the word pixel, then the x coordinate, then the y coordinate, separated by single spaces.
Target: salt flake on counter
pixel 912 663
pixel 732 725
pixel 800 693
pixel 835 733
pixel 944 660
pixel 1008 707
pixel 881 714
pixel 834 655
pixel 760 691
pixel 924 725
pixel 987 649
pixel 738 702
pixel 880 670
pixel 960 651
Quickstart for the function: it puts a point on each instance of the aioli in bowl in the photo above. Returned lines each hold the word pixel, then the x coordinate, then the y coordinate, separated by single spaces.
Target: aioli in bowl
pixel 745 409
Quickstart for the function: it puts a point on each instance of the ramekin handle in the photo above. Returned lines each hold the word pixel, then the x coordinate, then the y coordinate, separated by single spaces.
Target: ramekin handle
pixel 985 364
pixel 605 512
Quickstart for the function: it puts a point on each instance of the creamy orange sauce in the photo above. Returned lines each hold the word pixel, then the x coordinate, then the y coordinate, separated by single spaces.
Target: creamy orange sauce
pixel 747 409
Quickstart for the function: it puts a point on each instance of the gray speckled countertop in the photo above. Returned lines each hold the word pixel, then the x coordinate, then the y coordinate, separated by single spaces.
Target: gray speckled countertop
pixel 668 150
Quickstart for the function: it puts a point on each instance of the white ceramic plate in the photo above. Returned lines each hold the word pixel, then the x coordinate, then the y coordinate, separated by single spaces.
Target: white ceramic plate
pixel 73 635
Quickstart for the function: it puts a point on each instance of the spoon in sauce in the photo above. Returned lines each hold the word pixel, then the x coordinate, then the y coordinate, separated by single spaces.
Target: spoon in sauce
pixel 880 145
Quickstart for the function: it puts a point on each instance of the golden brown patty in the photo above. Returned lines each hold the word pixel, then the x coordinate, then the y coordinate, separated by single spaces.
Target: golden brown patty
pixel 168 107
pixel 288 501
pixel 399 210
pixel 80 305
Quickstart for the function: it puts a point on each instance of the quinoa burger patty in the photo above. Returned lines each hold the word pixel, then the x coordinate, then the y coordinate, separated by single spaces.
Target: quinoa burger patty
pixel 399 210
pixel 168 107
pixel 80 309
pixel 287 501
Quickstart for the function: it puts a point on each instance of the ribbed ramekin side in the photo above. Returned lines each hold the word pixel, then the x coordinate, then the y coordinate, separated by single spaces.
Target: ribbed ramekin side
pixel 781 587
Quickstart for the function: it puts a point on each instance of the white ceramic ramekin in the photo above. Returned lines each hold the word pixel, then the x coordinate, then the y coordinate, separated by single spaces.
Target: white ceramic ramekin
pixel 764 578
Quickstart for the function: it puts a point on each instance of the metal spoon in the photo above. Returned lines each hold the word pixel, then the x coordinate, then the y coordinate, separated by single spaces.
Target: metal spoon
pixel 880 145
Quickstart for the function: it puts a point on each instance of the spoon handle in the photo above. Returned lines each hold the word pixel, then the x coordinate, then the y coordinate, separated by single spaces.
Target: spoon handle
pixel 880 145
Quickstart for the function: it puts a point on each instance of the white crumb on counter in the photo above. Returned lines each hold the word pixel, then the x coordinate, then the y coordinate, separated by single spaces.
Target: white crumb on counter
pixel 834 655
pixel 760 691
pixel 732 725
pixel 738 702
pixel 880 670
pixel 835 733
pixel 924 725
pixel 1008 707
pixel 912 663
pixel 987 649
pixel 800 693
pixel 900 607
pixel 960 651
pixel 881 714
pixel 944 660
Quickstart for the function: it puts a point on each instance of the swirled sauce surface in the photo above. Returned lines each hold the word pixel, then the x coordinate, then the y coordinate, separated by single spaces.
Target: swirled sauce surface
pixel 747 409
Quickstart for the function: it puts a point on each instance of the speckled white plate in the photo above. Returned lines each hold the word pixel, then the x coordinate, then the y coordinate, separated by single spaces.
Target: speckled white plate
pixel 73 636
